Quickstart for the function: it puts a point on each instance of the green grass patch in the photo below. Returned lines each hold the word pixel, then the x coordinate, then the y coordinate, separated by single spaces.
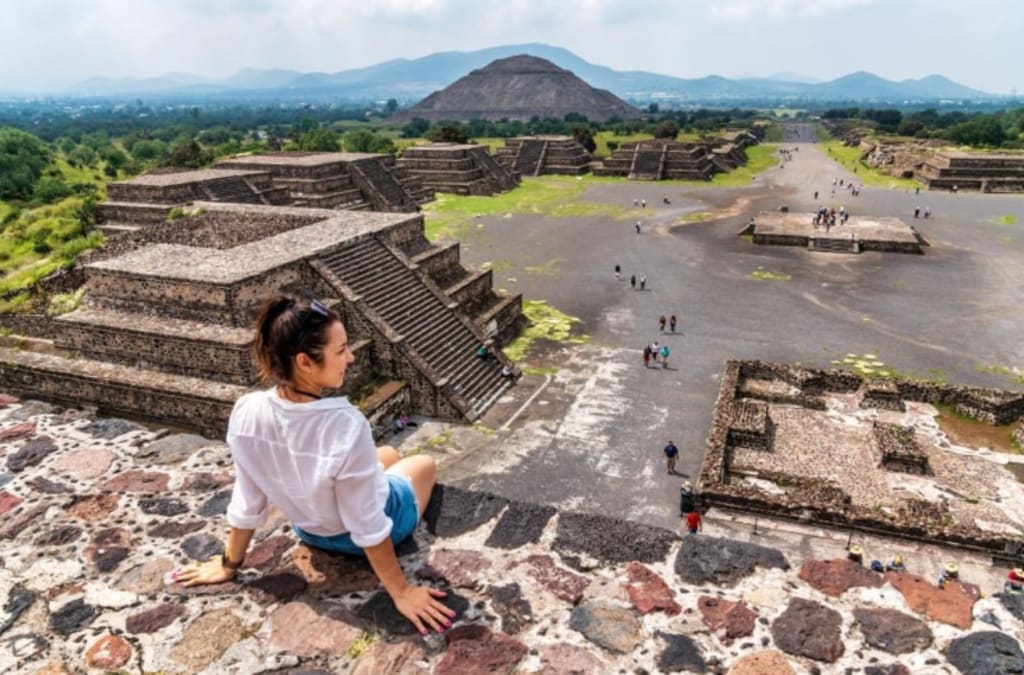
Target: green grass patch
pixel 601 138
pixel 849 158
pixel 548 269
pixel 550 196
pixel 759 158
pixel 1008 219
pixel 761 274
pixel 62 303
pixel 540 370
pixel 696 217
pixel 546 323
pixel 965 430
pixel 360 645
pixel 1011 374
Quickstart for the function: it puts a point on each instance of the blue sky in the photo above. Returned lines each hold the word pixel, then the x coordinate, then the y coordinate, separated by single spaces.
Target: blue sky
pixel 47 44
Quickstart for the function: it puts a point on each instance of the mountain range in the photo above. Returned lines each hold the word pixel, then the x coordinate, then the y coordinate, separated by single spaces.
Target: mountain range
pixel 410 80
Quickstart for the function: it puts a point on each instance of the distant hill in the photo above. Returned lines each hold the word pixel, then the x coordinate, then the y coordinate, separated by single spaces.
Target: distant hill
pixel 518 88
pixel 410 80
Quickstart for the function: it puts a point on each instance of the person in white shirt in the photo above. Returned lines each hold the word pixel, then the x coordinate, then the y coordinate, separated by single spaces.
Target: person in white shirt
pixel 314 459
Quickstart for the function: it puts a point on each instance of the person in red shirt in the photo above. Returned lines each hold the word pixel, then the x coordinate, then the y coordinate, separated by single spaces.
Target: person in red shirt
pixel 694 522
pixel 1014 582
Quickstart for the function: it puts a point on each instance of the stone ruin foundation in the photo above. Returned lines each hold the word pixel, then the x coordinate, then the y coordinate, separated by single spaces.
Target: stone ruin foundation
pixel 662 159
pixel 858 234
pixel 981 171
pixel 458 169
pixel 539 155
pixel 834 448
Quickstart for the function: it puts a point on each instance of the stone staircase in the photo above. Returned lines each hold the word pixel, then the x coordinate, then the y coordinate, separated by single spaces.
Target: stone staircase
pixel 235 190
pixel 382 189
pixel 424 319
pixel 529 158
pixel 833 245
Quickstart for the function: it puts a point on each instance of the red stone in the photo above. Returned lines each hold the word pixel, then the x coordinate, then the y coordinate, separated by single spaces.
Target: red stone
pixel 329 574
pixel 462 569
pixel 108 653
pixel 560 582
pixel 154 619
pixel 7 399
pixel 561 659
pixel 207 482
pixel 835 577
pixel 94 508
pixel 8 502
pixel 16 526
pixel 952 604
pixel 267 553
pixel 310 629
pixel 648 592
pixel 736 618
pixel 137 481
pixel 489 653
pixel 768 662
pixel 391 658
pixel 18 431
pixel 84 463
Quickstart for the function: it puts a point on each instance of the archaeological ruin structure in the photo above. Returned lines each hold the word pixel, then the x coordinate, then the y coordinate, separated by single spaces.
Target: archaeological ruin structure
pixel 540 155
pixel 457 168
pixel 164 331
pixel 857 234
pixel 664 159
pixel 850 450
pixel 982 171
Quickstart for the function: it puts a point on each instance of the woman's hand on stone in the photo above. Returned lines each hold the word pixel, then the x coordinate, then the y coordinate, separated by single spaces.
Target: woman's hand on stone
pixel 419 604
pixel 209 572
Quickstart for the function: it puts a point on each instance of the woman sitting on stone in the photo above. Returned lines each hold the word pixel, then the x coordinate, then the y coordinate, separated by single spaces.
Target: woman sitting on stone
pixel 315 459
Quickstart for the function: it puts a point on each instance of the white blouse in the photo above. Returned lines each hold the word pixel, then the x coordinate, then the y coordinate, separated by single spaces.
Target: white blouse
pixel 316 462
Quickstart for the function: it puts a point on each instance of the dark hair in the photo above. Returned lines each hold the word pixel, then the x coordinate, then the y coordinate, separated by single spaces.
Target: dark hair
pixel 287 326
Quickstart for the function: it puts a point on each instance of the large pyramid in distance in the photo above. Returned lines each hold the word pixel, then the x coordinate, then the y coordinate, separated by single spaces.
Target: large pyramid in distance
pixel 518 88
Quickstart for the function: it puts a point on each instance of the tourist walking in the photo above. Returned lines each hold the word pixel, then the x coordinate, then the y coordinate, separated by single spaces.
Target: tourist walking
pixel 655 348
pixel 643 203
pixel 672 323
pixel 287 442
pixel 632 281
pixel 618 273
pixel 671 455
pixel 664 356
pixel 643 281
pixel 917 211
pixel 647 356
pixel 636 202
pixel 637 227
pixel 661 323
pixel 694 523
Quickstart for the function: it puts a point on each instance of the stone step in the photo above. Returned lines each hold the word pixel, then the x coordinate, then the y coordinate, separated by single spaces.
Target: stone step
pixel 121 390
pixel 111 229
pixel 150 341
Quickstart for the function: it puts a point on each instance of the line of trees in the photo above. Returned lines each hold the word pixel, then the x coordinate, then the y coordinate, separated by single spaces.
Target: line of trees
pixel 999 129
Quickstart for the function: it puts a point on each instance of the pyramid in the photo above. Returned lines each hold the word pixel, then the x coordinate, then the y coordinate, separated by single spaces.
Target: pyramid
pixel 519 88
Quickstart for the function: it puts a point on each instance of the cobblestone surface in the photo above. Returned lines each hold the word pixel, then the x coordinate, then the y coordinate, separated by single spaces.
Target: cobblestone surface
pixel 84 584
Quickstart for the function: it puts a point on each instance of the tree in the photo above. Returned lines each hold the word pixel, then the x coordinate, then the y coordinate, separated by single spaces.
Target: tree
pixel 49 189
pixel 667 129
pixel 391 106
pixel 416 128
pixel 448 132
pixel 584 136
pixel 82 156
pixel 22 160
pixel 575 117
pixel 150 149
pixel 190 155
pixel 358 140
pixel 320 139
pixel 653 109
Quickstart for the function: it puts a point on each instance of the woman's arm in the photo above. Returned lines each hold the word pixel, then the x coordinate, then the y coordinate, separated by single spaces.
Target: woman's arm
pixel 213 570
pixel 419 604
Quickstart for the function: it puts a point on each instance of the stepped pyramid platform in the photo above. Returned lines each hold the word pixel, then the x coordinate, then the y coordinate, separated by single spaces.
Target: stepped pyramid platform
pixel 148 199
pixel 660 160
pixel 164 331
pixel 860 233
pixel 539 155
pixel 457 168
pixel 985 172
pixel 346 180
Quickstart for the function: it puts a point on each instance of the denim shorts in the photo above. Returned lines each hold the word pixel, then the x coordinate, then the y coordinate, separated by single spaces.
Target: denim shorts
pixel 401 508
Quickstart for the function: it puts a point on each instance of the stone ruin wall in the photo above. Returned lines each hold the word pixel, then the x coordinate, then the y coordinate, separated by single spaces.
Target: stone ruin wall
pixel 818 501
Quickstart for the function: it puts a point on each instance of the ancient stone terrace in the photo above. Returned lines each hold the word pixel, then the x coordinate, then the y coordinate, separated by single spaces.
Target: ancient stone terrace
pixel 148 199
pixel 858 234
pixel 539 155
pixel 165 328
pixel 457 169
pixel 344 180
pixel 660 160
pixel 98 512
pixel 982 171
pixel 833 461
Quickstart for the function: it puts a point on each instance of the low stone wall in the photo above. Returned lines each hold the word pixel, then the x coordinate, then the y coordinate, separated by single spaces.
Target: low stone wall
pixel 32 325
pixel 383 407
pixel 819 501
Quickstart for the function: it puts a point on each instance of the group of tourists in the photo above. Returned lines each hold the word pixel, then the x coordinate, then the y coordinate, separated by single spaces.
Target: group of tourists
pixel 655 352
pixel 830 217
pixel 927 212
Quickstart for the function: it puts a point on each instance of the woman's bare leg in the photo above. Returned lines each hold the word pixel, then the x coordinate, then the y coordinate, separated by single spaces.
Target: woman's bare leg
pixel 387 456
pixel 422 470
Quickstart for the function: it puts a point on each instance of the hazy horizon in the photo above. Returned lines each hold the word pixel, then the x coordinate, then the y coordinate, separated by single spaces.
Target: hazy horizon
pixel 817 39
